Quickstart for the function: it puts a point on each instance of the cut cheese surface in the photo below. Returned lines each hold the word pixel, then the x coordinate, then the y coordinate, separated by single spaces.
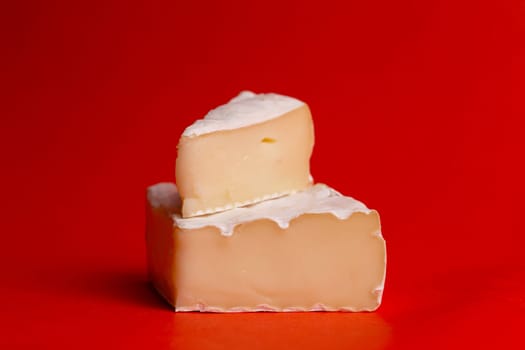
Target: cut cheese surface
pixel 256 147
pixel 325 256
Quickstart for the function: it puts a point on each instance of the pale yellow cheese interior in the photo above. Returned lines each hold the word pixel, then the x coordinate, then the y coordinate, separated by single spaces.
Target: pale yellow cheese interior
pixel 221 170
pixel 319 262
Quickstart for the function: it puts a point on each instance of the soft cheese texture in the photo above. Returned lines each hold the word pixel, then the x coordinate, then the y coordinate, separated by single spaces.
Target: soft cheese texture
pixel 330 256
pixel 254 148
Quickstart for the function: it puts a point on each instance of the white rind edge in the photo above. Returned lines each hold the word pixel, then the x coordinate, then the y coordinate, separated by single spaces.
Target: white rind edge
pixel 317 199
pixel 243 110
pixel 241 204
pixel 268 308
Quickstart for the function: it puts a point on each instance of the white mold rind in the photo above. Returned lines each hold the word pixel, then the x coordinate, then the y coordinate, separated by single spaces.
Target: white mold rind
pixel 243 110
pixel 318 199
pixel 268 308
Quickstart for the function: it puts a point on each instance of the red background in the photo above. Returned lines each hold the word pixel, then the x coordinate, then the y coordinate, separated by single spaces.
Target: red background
pixel 418 109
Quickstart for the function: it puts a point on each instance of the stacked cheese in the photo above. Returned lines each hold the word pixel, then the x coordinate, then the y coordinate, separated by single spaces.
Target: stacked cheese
pixel 246 230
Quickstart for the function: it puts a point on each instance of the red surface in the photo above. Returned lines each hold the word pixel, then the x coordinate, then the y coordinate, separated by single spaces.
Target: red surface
pixel 419 109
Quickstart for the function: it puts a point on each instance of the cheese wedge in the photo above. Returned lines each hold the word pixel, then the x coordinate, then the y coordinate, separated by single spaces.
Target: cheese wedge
pixel 310 251
pixel 255 147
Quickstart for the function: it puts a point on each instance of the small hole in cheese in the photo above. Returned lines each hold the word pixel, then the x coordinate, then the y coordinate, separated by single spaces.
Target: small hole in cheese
pixel 268 140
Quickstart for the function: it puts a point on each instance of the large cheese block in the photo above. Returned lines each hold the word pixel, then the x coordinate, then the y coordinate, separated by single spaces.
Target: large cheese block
pixel 254 148
pixel 310 251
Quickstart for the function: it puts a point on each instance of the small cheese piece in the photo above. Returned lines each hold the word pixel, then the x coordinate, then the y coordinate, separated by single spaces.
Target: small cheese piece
pixel 255 147
pixel 311 251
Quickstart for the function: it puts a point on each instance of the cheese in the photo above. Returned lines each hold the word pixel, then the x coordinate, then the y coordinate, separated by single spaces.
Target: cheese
pixel 310 251
pixel 254 148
